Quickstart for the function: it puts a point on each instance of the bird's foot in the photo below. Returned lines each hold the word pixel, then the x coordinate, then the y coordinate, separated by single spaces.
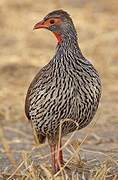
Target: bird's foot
pixel 57 166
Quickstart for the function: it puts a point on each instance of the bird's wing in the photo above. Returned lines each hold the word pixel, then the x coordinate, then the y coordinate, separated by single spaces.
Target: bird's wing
pixel 36 87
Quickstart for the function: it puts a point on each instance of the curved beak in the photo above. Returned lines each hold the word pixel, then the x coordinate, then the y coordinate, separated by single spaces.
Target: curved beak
pixel 40 25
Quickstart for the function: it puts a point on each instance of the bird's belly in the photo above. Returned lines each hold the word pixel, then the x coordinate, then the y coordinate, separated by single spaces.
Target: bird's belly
pixel 66 114
pixel 64 106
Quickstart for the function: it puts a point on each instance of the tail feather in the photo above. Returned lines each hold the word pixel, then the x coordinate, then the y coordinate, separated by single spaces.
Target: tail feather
pixel 38 137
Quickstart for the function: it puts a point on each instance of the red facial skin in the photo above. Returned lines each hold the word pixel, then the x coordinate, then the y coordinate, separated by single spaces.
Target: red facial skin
pixel 58 36
pixel 46 24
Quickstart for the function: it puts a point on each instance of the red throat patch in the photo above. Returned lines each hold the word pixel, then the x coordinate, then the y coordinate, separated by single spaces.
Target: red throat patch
pixel 58 36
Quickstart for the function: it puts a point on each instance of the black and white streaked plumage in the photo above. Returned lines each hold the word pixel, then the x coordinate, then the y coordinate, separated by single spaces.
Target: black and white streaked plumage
pixel 66 91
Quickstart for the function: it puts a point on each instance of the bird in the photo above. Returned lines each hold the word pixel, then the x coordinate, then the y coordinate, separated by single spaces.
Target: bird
pixel 64 95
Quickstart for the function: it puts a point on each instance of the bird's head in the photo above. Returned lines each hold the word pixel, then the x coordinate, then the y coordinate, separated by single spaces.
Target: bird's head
pixel 59 22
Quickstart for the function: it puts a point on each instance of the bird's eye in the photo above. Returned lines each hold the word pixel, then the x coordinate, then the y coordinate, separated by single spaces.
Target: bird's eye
pixel 52 21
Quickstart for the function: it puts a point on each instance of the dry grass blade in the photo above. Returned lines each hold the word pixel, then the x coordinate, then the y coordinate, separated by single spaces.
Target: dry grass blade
pixel 47 172
pixel 98 152
pixel 115 177
pixel 67 142
pixel 16 170
pixel 17 131
pixel 101 173
pixel 20 165
pixel 7 148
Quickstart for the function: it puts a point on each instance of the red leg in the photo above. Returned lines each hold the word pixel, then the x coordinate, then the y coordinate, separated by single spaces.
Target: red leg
pixel 56 163
pixel 60 155
pixel 52 148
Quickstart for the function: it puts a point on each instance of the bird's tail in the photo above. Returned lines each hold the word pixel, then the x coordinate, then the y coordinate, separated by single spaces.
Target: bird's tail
pixel 38 137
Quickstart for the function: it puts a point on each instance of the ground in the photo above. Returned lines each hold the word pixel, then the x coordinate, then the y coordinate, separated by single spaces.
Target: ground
pixel 22 53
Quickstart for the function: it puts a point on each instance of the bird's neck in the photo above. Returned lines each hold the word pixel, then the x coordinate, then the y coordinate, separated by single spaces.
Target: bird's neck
pixel 68 53
pixel 69 45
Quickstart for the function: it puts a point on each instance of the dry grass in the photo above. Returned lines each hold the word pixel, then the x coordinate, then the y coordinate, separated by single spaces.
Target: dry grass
pixel 22 53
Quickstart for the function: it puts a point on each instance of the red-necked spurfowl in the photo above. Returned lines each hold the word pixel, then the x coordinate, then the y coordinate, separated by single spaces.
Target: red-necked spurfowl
pixel 65 92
